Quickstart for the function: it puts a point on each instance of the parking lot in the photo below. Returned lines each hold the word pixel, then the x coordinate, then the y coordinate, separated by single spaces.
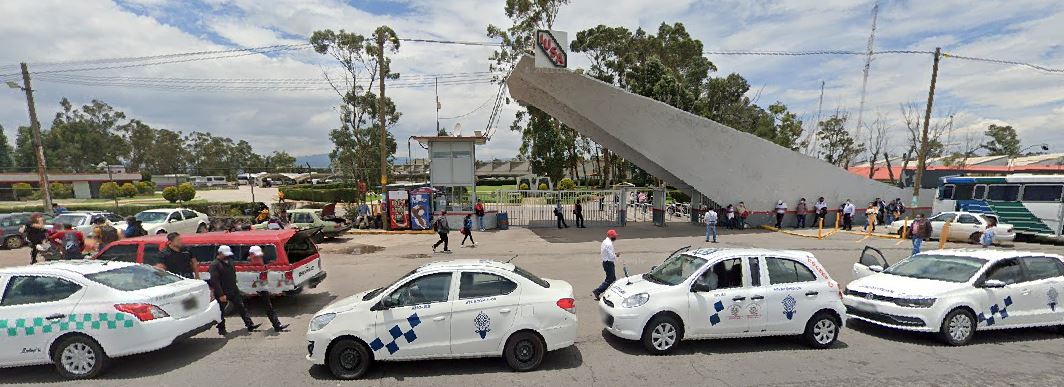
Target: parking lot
pixel 864 355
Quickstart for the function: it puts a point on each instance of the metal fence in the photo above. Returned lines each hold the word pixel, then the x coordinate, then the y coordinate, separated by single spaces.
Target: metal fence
pixel 604 208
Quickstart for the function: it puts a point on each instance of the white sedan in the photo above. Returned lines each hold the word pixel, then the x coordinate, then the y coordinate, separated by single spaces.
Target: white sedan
pixel 955 292
pixel 964 226
pixel 455 309
pixel 84 220
pixel 167 220
pixel 80 314
pixel 715 293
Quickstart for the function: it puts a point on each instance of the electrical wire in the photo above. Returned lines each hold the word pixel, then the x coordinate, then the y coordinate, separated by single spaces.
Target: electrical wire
pixel 1005 61
pixel 461 43
pixel 415 77
pixel 818 52
pixel 483 105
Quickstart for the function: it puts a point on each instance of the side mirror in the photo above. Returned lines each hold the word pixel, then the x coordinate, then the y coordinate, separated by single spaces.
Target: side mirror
pixel 876 268
pixel 383 304
pixel 993 284
pixel 171 221
pixel 699 287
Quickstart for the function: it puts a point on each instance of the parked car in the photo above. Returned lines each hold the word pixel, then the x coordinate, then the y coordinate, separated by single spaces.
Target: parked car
pixel 717 293
pixel 81 314
pixel 167 220
pixel 83 220
pixel 964 226
pixel 11 225
pixel 291 262
pixel 454 309
pixel 954 293
pixel 307 218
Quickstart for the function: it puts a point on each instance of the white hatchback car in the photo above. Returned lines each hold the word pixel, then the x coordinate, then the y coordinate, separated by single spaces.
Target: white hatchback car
pixel 80 314
pixel 717 293
pixel 955 292
pixel 167 220
pixel 453 309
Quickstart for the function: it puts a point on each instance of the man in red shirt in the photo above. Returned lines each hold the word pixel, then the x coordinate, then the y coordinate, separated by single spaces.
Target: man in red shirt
pixel 71 242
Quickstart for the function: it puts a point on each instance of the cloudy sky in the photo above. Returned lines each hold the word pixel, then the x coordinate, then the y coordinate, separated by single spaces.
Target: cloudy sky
pixel 976 93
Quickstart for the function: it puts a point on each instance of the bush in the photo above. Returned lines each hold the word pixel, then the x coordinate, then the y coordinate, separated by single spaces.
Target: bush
pixel 110 190
pixel 543 186
pixel 186 192
pixel 524 186
pixel 317 194
pixel 61 191
pixel 22 190
pixel 566 184
pixel 145 187
pixel 128 190
pixel 170 194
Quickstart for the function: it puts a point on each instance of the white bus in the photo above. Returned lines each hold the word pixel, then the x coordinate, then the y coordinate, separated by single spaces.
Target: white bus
pixel 1033 204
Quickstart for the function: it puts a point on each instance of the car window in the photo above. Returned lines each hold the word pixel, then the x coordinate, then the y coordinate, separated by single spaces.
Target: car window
pixel 755 271
pixel 302 218
pixel 176 215
pixel 24 290
pixel 205 253
pixel 979 192
pixel 152 253
pixel 946 192
pixel 1042 193
pixel 121 253
pixel 133 277
pixel 967 219
pixel 1042 267
pixel 9 221
pixel 725 274
pixel 424 290
pixel 944 217
pixel 1005 193
pixel 531 277
pixel 1007 271
pixel 189 214
pixel 114 218
pixel 477 285
pixel 785 271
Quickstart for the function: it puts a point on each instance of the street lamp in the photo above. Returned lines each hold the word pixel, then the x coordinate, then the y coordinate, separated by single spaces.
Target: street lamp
pixel 103 165
pixel 1043 146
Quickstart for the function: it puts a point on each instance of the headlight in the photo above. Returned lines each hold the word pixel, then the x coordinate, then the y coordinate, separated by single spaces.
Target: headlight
pixel 635 300
pixel 915 302
pixel 321 321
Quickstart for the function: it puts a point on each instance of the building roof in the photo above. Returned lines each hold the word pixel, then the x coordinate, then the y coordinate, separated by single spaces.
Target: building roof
pixel 67 177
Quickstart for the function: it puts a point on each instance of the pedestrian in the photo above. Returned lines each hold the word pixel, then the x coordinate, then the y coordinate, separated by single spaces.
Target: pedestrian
pixel 559 214
pixel 104 233
pixel 711 224
pixel 479 210
pixel 176 259
pixel 609 257
pixel 743 214
pixel 467 230
pixel 71 242
pixel 35 233
pixel 881 209
pixel 257 258
pixel 134 228
pixel 847 215
pixel 729 216
pixel 58 209
pixel 578 212
pixel 800 212
pixel 442 228
pixel 987 239
pixel 919 231
pixel 892 210
pixel 223 283
pixel 820 211
pixel 900 208
pixel 871 213
pixel 781 210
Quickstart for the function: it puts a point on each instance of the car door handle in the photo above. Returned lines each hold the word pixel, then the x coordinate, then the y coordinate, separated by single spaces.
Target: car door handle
pixel 738 298
pixel 756 298
pixel 507 310
pixel 440 318
pixel 56 316
pixel 1026 292
pixel 812 293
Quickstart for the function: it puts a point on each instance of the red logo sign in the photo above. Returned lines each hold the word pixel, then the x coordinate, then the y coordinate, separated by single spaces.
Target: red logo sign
pixel 550 47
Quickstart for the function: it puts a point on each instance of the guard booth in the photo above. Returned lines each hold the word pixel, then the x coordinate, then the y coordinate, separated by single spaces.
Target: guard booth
pixel 451 174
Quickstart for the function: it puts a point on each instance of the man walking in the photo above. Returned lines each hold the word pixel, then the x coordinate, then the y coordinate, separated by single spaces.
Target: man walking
pixel 176 259
pixel 255 257
pixel 478 209
pixel 442 228
pixel 223 283
pixel 578 211
pixel 820 209
pixel 920 229
pixel 609 257
pixel 558 213
pixel 847 215
pixel 711 224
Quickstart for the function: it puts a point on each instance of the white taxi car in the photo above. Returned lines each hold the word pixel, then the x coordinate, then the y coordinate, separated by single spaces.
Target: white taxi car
pixel 955 292
pixel 80 314
pixel 963 226
pixel 453 309
pixel 716 293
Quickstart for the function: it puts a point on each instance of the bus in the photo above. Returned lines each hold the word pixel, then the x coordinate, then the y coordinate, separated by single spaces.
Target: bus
pixel 1033 204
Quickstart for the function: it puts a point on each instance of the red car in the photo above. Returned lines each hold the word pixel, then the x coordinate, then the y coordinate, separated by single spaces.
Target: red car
pixel 291 262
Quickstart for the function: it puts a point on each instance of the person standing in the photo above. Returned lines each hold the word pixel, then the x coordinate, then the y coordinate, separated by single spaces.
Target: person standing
pixel 58 209
pixel 578 212
pixel 134 228
pixel 256 258
pixel 467 230
pixel 892 211
pixel 729 217
pixel 35 234
pixel 104 233
pixel 920 230
pixel 743 214
pixel 223 283
pixel 781 210
pixel 847 215
pixel 800 212
pixel 609 259
pixel 871 214
pixel 479 210
pixel 711 224
pixel 987 239
pixel 442 228
pixel 820 211
pixel 71 242
pixel 176 259
pixel 559 214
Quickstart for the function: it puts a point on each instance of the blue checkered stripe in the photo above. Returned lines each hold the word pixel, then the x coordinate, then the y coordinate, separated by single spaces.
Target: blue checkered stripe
pixel 995 310
pixel 396 332
pixel 73 322
pixel 714 318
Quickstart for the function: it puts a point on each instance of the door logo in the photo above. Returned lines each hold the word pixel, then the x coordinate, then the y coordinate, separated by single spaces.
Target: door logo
pixel 482 324
pixel 995 310
pixel 396 333
pixel 789 306
pixel 1052 296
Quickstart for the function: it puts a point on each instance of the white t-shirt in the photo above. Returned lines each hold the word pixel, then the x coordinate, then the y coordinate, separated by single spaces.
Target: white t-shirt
pixel 848 208
pixel 607 250
pixel 820 206
pixel 711 216
pixel 781 208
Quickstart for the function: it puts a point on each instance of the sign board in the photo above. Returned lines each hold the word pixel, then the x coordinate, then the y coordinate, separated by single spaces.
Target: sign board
pixel 420 210
pixel 552 49
pixel 399 209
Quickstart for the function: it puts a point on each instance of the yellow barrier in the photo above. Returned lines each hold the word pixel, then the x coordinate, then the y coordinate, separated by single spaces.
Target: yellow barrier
pixel 904 231
pixel 943 237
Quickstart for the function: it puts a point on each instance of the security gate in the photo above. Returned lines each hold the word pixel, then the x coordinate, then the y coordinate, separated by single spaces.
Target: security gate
pixel 602 208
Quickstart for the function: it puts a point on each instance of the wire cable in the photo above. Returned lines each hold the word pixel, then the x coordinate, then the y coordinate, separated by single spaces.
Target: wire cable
pixel 1005 61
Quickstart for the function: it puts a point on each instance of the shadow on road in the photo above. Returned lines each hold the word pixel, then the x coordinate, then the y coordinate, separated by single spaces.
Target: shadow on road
pixel 561 359
pixel 717 346
pixel 981 337
pixel 290 306
pixel 634 230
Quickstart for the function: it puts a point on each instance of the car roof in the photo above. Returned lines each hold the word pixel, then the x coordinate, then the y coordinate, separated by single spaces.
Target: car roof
pixel 80 266
pixel 462 264
pixel 991 255
pixel 222 237
pixel 711 253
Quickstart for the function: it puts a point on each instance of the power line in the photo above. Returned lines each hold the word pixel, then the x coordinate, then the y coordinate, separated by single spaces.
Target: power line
pixel 172 55
pixel 817 52
pixel 1005 61
pixel 483 105
pixel 461 43
pixel 418 77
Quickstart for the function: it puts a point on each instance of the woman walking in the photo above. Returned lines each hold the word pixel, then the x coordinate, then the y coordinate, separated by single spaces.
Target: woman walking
pixel 467 230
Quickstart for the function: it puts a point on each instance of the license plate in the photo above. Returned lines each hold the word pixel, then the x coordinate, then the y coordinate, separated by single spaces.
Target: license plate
pixel 190 303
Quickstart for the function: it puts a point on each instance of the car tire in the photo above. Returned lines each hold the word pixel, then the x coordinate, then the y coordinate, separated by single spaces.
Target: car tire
pixel 662 334
pixel 79 357
pixel 975 237
pixel 348 359
pixel 12 242
pixel 201 229
pixel 524 351
pixel 957 328
pixel 822 331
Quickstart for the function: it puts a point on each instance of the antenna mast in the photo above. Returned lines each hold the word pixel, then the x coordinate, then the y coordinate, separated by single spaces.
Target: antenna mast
pixel 867 66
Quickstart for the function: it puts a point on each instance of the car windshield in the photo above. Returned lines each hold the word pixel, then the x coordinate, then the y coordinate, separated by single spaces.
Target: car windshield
pixel 948 268
pixel 675 269
pixel 71 219
pixel 133 277
pixel 375 292
pixel 151 217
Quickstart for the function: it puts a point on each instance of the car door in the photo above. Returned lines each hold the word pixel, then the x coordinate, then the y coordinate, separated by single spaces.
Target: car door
pixel 792 296
pixel 719 309
pixel 174 222
pixel 1008 305
pixel 939 221
pixel 414 320
pixel 1045 277
pixel 487 306
pixel 964 227
pixel 191 222
pixel 34 309
pixel 870 262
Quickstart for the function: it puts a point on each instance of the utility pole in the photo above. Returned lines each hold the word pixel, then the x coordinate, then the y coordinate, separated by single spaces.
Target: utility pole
pixel 384 129
pixel 436 81
pixel 35 127
pixel 921 162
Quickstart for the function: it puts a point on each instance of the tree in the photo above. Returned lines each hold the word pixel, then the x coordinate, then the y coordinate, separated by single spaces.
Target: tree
pixel 280 161
pixel 170 194
pixel 128 190
pixel 81 138
pixel 837 146
pixel 877 141
pixel 7 153
pixel 1001 141
pixel 110 190
pixel 185 192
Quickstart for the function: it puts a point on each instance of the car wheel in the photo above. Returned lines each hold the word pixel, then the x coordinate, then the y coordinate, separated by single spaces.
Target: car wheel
pixel 348 359
pixel 79 357
pixel 524 351
pixel 12 242
pixel 662 334
pixel 201 229
pixel 957 328
pixel 821 331
pixel 975 237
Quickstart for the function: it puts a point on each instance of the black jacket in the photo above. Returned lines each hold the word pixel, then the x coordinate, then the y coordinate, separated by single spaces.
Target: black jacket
pixel 223 278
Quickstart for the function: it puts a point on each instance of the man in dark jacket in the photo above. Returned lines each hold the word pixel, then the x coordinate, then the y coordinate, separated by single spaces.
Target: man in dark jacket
pixel 578 211
pixel 921 230
pixel 223 283
pixel 176 259
pixel 35 234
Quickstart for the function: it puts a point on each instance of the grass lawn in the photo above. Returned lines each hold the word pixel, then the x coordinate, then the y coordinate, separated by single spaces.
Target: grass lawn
pixel 487 189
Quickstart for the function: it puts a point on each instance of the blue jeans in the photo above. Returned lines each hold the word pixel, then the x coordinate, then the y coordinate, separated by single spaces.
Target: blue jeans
pixel 917 242
pixel 711 229
pixel 611 277
pixel 890 218
pixel 480 222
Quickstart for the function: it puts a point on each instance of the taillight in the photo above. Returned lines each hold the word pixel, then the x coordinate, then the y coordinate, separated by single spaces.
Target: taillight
pixel 262 276
pixel 289 277
pixel 568 304
pixel 143 312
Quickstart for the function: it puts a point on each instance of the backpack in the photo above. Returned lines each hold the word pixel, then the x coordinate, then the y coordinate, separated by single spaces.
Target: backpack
pixel 106 235
pixel 71 246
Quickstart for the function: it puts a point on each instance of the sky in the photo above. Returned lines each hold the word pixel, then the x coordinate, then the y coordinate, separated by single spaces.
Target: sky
pixel 975 93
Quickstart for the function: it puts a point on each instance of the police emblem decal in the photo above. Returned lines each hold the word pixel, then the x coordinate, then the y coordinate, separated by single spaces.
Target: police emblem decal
pixel 789 304
pixel 482 323
pixel 1052 296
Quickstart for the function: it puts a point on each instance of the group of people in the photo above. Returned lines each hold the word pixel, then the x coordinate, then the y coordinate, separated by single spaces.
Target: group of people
pixel 578 214
pixel 63 241
pixel 734 218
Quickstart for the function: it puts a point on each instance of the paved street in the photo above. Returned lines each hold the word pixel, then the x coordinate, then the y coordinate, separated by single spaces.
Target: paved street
pixel 864 354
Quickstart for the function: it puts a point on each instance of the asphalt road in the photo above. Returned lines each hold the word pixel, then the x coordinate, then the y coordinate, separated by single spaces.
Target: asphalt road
pixel 864 355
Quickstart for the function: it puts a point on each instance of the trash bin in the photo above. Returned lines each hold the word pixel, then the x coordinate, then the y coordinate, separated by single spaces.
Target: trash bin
pixel 502 221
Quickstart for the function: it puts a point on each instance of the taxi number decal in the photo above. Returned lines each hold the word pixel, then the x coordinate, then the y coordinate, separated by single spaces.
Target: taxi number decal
pixel 425 306
pixel 479 300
